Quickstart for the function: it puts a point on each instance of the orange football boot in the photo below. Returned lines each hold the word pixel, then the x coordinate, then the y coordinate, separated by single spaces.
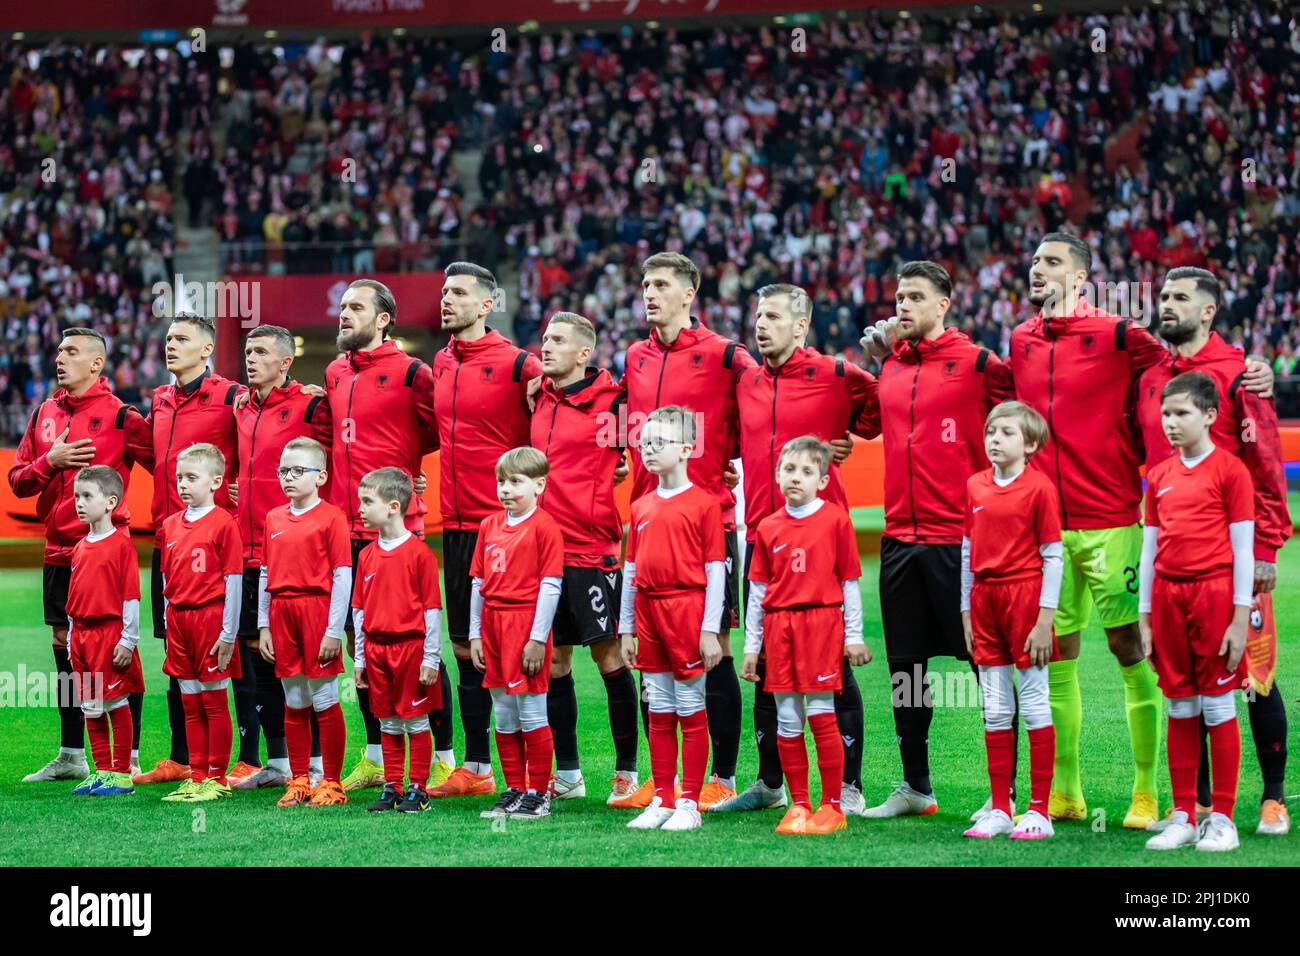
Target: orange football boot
pixel 164 771
pixel 715 791
pixel 328 793
pixel 296 794
pixel 240 771
pixel 796 820
pixel 638 799
pixel 827 819
pixel 463 783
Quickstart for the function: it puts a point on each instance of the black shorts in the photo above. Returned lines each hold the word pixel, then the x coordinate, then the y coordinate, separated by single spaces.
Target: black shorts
pixel 732 612
pixel 54 593
pixel 457 553
pixel 248 630
pixel 156 595
pixel 588 609
pixel 920 600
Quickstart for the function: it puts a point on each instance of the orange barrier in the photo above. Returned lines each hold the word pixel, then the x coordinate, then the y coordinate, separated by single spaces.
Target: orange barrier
pixel 864 478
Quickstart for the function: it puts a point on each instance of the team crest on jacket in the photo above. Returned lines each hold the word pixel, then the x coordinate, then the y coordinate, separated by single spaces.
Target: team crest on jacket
pixel 96 424
pixel 486 373
pixel 640 363
pixel 697 361
pixel 810 372
pixel 205 399
pixel 382 381
pixel 949 367
pixel 284 415
pixel 1089 344
pixel 1028 346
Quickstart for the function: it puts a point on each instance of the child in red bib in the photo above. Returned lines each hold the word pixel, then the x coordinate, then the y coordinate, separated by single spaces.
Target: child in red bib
pixel 103 630
pixel 517 571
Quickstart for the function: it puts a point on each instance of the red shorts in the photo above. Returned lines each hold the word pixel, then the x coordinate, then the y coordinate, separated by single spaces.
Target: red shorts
pixel 191 633
pixel 668 633
pixel 297 627
pixel 1002 613
pixel 505 633
pixel 803 650
pixel 1188 619
pixel 393 675
pixel 91 652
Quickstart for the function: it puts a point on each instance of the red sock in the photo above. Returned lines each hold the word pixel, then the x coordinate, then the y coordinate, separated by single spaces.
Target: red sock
pixel 794 764
pixel 196 735
pixel 394 746
pixel 123 733
pixel 100 749
pixel 510 751
pixel 539 748
pixel 1042 755
pixel 1225 765
pixel 333 740
pixel 830 756
pixel 1184 749
pixel 221 732
pixel 421 745
pixel 999 745
pixel 297 739
pixel 695 753
pixel 663 756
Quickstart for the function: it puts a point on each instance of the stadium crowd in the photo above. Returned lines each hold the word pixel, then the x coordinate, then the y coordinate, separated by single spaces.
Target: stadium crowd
pixel 824 158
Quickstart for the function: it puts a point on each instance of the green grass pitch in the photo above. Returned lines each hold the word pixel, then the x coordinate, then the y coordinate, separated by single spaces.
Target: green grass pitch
pixel 43 825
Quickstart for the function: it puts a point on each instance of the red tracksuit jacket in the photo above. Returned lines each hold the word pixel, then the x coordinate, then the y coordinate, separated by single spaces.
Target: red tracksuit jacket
pixel 265 427
pixel 120 437
pixel 382 406
pixel 700 371
pixel 811 394
pixel 576 428
pixel 1079 373
pixel 934 397
pixel 1246 426
pixel 481 388
pixel 202 411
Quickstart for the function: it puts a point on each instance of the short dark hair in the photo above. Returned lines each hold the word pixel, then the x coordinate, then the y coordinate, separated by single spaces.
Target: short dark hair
pixel 282 336
pixel 925 269
pixel 1206 281
pixel 800 304
pixel 1079 250
pixel 1197 386
pixel 391 484
pixel 683 268
pixel 384 301
pixel 79 332
pixel 811 446
pixel 106 479
pixel 486 280
pixel 201 322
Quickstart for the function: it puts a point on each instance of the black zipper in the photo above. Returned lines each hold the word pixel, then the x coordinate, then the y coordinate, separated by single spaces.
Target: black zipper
pixel 1051 429
pixel 167 458
pixel 352 388
pixel 771 451
pixel 911 428
pixel 549 433
pixel 63 472
pixel 455 486
pixel 663 367
pixel 252 451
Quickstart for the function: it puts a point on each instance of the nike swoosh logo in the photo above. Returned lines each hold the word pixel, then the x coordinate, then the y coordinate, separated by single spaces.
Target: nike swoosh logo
pixel 417 703
pixel 370 575
pixel 1163 490
pixel 696 663
pixel 1226 680
pixel 977 508
pixel 825 677
pixel 114 684
pixel 276 534
pixel 516 683
pixel 212 667
pixel 73 568
pixel 171 544
pixel 779 547
pixel 642 525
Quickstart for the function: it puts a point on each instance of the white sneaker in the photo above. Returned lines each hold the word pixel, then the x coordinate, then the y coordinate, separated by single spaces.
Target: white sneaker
pixel 1218 833
pixel 563 788
pixel 268 776
pixel 622 786
pixel 1178 832
pixel 988 805
pixel 904 802
pixel 686 816
pixel 652 817
pixel 1033 826
pixel 757 796
pixel 62 767
pixel 852 803
pixel 995 823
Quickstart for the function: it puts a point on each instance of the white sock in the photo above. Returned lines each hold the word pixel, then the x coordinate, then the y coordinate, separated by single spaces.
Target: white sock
pixel 728 782
pixel 375 753
pixel 135 756
pixel 478 768
pixel 630 774
pixel 316 763
pixel 569 776
pixel 72 752
pixel 447 756
pixel 279 763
